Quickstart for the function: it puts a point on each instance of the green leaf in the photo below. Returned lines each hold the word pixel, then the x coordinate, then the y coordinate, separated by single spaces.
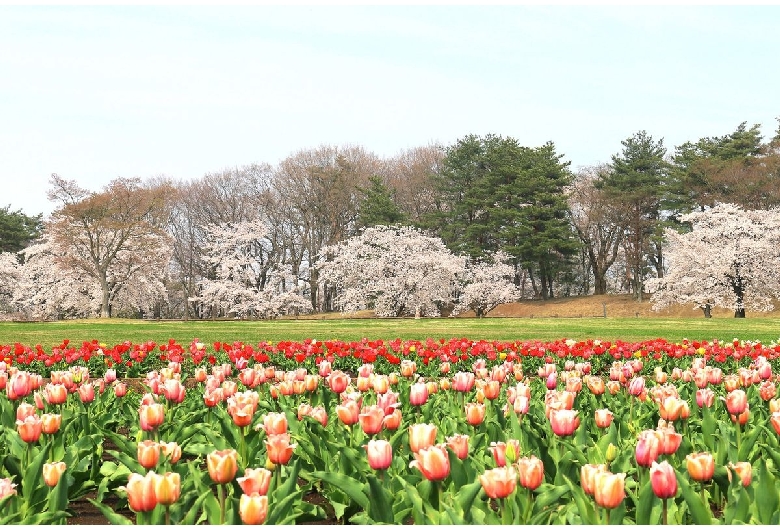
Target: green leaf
pixel 767 501
pixel 352 487
pixel 644 509
pixel 111 515
pixel 699 512
pixel 381 505
pixel 549 495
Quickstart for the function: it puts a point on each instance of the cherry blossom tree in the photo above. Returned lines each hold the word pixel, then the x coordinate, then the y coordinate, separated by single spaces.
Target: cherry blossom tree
pixel 487 284
pixel 9 277
pixel 729 259
pixel 395 270
pixel 250 279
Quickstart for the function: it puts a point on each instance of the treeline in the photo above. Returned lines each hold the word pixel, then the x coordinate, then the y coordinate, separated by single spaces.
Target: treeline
pixel 145 248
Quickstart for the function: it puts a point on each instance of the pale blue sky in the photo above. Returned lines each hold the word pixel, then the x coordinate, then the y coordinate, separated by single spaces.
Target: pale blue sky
pixel 97 92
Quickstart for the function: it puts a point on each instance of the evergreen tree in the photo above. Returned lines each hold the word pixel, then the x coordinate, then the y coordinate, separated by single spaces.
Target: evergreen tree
pixel 17 230
pixel 378 206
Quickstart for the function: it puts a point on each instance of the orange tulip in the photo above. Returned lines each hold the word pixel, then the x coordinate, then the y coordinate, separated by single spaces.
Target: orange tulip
pixel 372 419
pixel 421 436
pixel 669 440
pixel 380 384
pixel 392 421
pixel 87 393
pixel 275 423
pixel 603 418
pixel 530 471
pixel 670 408
pixel 588 474
pixel 475 413
pixel 492 390
pixel 408 368
pixel 663 480
pixel 767 390
pixel 499 483
pixel 24 410
pixel 595 384
pixel 433 462
pixel 379 454
pixel 255 480
pixel 774 419
pixel 222 465
pixel 55 394
pixel 171 450
pixel 279 448
pixel 141 494
pixel 609 489
pixel 167 488
pixel 613 387
pixel 744 470
pixel 701 466
pixel 242 414
pixel 30 429
pixel 459 443
pixel 52 473
pixel 148 453
pixel 253 509
pixel 51 423
pixel 151 416
pixel 174 391
pixel 743 418
pixel 498 449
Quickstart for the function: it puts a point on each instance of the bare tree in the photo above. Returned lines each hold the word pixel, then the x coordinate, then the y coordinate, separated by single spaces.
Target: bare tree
pixel 598 223
pixel 113 236
pixel 320 191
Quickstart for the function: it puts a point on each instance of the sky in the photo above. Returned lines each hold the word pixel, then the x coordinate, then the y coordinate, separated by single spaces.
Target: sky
pixel 97 92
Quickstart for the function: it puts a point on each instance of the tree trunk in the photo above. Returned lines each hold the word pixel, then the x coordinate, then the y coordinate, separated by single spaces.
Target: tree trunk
pixel 707 308
pixel 739 313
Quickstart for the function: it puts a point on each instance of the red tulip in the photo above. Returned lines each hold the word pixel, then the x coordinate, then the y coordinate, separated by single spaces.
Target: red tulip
pixel 433 462
pixel 663 480
pixel 647 448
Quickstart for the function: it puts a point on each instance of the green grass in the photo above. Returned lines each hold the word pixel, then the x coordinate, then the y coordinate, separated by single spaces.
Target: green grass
pixel 114 331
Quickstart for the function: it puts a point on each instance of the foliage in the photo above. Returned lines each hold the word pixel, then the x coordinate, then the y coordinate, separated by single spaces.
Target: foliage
pixel 729 259
pixel 487 284
pixel 17 230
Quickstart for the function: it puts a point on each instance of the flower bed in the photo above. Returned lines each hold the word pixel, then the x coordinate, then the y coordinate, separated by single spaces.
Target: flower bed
pixel 452 431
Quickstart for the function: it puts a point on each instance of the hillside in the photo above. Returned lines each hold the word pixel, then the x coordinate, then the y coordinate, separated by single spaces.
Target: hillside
pixel 617 305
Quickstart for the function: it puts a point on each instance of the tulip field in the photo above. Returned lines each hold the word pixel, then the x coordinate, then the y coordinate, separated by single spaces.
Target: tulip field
pixel 439 431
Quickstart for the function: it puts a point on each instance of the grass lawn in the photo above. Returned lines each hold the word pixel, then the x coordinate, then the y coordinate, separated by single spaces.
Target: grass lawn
pixel 114 331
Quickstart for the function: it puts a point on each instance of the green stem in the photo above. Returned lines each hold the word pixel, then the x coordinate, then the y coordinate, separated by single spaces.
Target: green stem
pixel 739 437
pixel 221 497
pixel 242 448
pixel 606 516
pixel 703 494
pixel 665 516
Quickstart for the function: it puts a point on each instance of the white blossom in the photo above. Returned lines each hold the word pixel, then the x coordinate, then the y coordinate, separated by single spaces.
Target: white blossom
pixel 730 259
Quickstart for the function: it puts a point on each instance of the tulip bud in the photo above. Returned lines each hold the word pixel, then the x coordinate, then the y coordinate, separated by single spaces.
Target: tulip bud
pixel 52 473
pixel 611 453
